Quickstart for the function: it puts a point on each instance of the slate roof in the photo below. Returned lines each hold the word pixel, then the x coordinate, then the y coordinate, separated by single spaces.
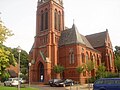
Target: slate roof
pixel 72 36
pixel 97 39
pixel 87 43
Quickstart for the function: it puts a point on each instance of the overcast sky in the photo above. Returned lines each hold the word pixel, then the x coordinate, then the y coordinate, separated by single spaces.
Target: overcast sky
pixel 90 16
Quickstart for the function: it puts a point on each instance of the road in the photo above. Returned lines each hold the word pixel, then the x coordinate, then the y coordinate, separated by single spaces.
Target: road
pixel 75 87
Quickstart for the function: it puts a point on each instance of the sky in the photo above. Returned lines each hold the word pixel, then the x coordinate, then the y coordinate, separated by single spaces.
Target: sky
pixel 89 16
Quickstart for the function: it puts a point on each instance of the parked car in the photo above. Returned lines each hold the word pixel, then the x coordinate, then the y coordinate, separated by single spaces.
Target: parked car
pixel 65 82
pixel 107 84
pixel 11 82
pixel 53 82
pixel 22 80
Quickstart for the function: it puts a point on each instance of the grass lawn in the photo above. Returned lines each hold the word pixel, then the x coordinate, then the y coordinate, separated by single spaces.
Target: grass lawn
pixel 15 88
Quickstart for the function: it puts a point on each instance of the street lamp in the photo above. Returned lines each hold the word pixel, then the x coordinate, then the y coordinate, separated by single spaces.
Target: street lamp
pixel 19 51
pixel 29 73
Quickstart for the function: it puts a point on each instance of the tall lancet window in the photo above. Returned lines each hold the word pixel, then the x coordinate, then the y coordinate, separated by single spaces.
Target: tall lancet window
pixel 55 19
pixel 42 20
pixel 46 19
pixel 59 21
pixel 71 57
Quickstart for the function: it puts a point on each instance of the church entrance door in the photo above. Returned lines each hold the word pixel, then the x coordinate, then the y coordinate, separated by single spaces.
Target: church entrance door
pixel 41 72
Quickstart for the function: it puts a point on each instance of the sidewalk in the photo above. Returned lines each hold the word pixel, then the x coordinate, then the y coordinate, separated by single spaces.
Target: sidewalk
pixel 79 87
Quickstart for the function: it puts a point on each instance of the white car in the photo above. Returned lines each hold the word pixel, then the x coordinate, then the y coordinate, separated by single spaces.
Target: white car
pixel 22 80
pixel 11 82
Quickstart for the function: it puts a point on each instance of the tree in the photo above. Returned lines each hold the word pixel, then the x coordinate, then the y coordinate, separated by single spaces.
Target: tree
pixel 89 67
pixel 117 51
pixel 4 33
pixel 6 57
pixel 23 61
pixel 117 63
pixel 80 69
pixel 101 72
pixel 117 58
pixel 23 57
pixel 58 69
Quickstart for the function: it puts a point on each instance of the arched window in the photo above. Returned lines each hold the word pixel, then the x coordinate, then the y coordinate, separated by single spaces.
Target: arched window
pixel 59 20
pixel 83 58
pixel 55 19
pixel 42 20
pixel 46 20
pixel 91 57
pixel 71 57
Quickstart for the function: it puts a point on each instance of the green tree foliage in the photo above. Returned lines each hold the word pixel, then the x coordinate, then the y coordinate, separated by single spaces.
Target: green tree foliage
pixel 80 69
pixel 4 33
pixel 23 61
pixel 23 57
pixel 117 63
pixel 101 72
pixel 6 59
pixel 89 66
pixel 117 57
pixel 117 51
pixel 58 69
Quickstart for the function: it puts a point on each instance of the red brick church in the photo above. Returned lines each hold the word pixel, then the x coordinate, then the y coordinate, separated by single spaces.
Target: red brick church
pixel 56 45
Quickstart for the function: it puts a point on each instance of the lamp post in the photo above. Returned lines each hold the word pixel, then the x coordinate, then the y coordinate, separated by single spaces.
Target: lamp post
pixel 19 51
pixel 29 73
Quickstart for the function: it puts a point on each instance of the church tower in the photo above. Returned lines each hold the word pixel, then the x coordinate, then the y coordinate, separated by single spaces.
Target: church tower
pixel 49 25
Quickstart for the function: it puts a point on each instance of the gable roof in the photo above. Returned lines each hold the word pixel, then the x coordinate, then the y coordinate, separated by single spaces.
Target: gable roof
pixel 97 39
pixel 72 36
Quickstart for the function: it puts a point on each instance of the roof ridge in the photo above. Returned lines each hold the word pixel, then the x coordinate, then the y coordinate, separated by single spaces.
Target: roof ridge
pixel 97 33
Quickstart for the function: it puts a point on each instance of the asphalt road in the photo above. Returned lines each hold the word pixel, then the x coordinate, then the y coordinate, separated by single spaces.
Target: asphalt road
pixel 75 87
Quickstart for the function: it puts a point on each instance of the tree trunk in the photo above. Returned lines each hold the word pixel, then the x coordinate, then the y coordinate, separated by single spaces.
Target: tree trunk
pixel 88 81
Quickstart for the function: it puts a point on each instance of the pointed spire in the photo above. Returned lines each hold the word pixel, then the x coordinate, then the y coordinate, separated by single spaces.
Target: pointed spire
pixel 106 30
pixel 73 26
